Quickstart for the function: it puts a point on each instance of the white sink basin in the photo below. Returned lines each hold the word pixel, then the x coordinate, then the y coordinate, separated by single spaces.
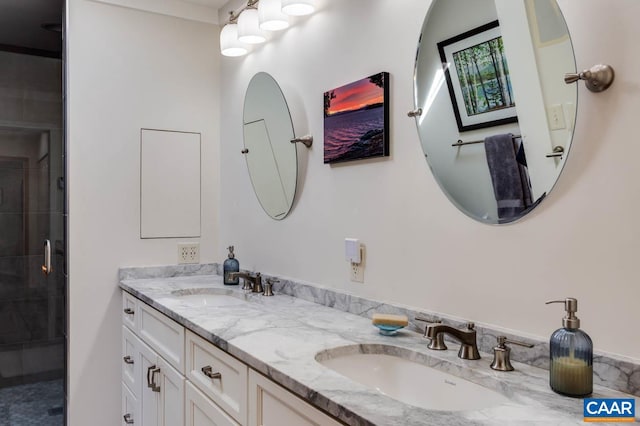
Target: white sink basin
pixel 208 297
pixel 414 383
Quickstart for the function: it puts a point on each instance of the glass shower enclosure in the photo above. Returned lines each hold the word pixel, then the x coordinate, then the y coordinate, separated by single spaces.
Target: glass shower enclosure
pixel 32 234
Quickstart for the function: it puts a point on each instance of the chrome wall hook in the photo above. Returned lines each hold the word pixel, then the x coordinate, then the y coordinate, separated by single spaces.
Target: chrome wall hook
pixel 305 140
pixel 597 79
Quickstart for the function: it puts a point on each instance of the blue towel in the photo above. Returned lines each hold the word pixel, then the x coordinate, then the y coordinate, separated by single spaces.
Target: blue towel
pixel 509 176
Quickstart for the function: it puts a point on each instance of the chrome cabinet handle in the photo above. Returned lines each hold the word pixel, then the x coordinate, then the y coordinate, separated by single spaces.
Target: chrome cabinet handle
pixel 128 419
pixel 415 113
pixel 128 360
pixel 208 371
pixel 46 266
pixel 129 311
pixel 150 383
pixel 154 387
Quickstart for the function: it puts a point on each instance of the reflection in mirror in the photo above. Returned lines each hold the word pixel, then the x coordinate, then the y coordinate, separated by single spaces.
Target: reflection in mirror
pixel 271 157
pixel 497 118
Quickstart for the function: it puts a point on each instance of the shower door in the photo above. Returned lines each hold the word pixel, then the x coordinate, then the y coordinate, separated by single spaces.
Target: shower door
pixel 32 230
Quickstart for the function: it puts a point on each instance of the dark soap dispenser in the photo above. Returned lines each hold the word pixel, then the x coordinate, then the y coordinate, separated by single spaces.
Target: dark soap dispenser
pixel 571 355
pixel 230 265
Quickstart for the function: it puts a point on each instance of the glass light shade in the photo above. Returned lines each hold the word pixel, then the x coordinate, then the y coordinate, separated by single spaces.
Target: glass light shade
pixel 249 27
pixel 271 16
pixel 229 43
pixel 298 7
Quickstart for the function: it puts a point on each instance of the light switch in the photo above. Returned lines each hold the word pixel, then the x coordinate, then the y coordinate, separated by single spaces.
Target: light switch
pixel 556 117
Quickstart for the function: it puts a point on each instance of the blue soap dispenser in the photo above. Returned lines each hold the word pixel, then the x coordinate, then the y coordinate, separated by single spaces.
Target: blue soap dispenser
pixel 571 355
pixel 230 265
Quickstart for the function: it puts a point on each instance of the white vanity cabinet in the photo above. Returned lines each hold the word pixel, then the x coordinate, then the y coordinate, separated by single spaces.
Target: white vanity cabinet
pixel 153 390
pixel 272 405
pixel 173 377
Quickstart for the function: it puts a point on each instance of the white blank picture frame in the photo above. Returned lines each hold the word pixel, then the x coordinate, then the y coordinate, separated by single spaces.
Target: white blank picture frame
pixel 170 184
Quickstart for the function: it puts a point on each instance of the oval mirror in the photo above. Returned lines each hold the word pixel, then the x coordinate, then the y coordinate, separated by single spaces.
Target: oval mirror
pixel 497 118
pixel 271 157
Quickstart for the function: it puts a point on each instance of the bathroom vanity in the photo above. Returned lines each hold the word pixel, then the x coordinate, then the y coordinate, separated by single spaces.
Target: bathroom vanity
pixel 196 352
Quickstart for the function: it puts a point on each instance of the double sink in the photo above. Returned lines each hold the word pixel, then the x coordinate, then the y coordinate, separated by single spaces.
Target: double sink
pixel 390 370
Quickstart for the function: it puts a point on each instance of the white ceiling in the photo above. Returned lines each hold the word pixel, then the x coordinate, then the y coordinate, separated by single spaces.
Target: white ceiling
pixel 21 20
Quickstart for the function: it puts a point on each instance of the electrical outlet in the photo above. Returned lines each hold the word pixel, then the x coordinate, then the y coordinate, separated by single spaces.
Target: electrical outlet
pixel 356 270
pixel 189 253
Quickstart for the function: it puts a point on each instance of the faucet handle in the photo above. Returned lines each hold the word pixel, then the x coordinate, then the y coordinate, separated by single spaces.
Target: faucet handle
pixel 437 343
pixel 501 353
pixel 268 286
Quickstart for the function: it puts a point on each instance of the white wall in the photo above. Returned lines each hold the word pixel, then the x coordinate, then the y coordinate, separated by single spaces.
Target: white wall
pixel 127 69
pixel 583 241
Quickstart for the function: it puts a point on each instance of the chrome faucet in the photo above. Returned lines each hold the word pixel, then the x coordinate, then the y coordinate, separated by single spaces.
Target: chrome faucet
pixel 466 336
pixel 256 281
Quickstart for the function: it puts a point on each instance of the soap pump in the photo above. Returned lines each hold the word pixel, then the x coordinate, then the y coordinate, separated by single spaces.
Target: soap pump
pixel 230 265
pixel 571 355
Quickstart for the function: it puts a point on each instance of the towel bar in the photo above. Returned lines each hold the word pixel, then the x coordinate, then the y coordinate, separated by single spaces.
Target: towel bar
pixel 460 143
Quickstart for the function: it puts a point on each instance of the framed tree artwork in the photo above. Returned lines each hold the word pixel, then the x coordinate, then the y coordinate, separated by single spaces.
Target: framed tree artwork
pixel 478 78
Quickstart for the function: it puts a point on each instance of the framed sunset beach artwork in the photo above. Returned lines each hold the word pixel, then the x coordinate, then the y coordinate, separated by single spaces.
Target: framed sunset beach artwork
pixel 356 118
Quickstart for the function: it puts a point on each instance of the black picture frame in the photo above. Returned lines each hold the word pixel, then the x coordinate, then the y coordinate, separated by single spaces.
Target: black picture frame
pixel 468 59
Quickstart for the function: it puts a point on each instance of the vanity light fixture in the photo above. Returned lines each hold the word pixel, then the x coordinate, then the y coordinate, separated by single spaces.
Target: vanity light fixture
pixel 298 7
pixel 271 16
pixel 229 43
pixel 249 25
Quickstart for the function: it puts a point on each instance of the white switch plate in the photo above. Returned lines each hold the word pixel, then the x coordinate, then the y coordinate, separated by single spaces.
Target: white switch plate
pixel 556 117
pixel 188 253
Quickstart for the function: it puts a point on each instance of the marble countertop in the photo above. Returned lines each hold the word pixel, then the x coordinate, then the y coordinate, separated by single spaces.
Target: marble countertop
pixel 281 336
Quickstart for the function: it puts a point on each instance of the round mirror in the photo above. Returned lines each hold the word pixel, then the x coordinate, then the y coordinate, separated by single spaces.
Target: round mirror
pixel 497 118
pixel 271 157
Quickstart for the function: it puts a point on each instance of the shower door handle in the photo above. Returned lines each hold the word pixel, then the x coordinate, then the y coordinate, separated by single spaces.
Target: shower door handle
pixel 46 266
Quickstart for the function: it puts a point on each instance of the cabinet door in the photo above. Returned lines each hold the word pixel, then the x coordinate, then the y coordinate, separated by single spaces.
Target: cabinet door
pixel 201 411
pixel 171 384
pixel 220 376
pixel 149 398
pixel 130 407
pixel 272 405
pixel 130 364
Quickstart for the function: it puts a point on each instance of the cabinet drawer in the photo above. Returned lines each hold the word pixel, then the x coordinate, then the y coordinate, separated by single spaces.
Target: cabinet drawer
pixel 130 361
pixel 201 411
pixel 163 334
pixel 229 390
pixel 129 307
pixel 130 408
